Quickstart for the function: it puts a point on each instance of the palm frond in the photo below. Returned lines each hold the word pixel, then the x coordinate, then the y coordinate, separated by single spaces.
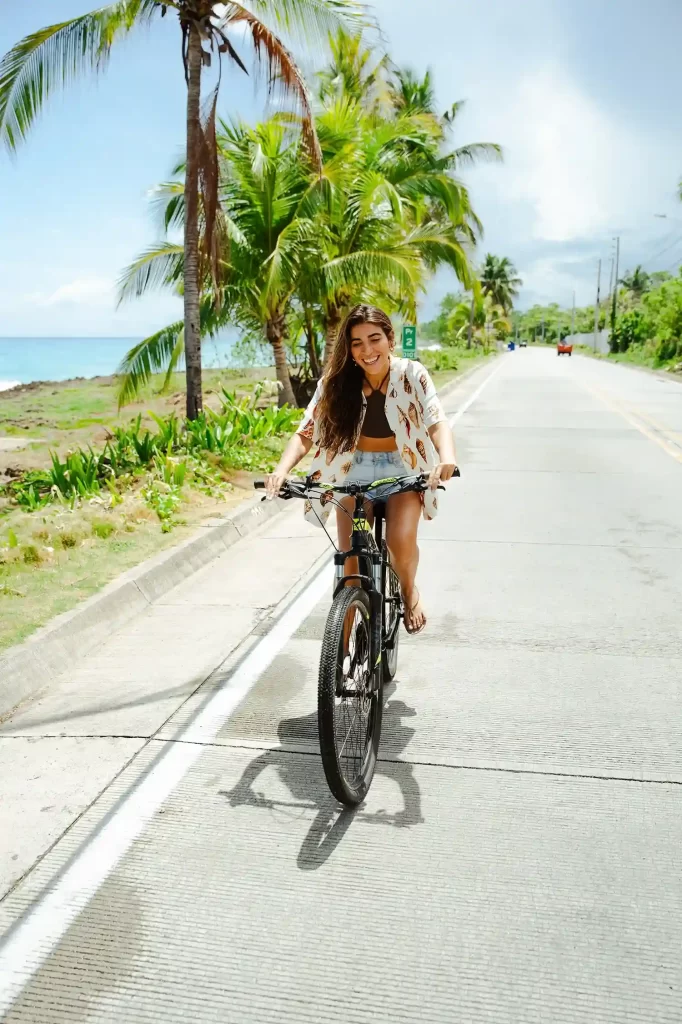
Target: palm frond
pixel 312 21
pixel 467 156
pixel 54 56
pixel 281 68
pixel 161 352
pixel 160 265
pixel 157 353
pixel 355 269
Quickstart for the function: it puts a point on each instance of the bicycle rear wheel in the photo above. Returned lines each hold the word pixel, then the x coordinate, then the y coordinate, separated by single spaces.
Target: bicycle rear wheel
pixel 348 712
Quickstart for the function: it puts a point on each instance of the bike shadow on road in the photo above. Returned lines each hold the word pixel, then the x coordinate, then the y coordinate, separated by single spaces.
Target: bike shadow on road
pixel 300 771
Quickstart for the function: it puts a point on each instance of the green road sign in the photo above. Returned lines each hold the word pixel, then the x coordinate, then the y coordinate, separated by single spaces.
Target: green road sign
pixel 409 341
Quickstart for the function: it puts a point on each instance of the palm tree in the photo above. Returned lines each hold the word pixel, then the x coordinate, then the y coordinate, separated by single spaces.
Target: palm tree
pixel 478 316
pixel 353 72
pixel 636 282
pixel 297 247
pixel 376 203
pixel 264 180
pixel 500 280
pixel 32 70
pixel 413 95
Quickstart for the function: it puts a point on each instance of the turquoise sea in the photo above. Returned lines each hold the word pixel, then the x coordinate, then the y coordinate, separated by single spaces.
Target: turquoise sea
pixel 23 360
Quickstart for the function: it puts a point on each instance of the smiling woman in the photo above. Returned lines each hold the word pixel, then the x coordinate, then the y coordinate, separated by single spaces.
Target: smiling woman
pixel 375 417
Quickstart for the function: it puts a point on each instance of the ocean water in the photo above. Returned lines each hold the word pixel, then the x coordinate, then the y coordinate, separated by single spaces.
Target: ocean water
pixel 23 360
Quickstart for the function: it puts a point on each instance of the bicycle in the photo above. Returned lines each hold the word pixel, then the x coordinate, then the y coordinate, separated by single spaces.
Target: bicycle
pixel 361 639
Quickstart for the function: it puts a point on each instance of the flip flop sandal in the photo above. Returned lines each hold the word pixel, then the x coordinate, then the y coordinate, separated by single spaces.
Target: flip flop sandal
pixel 419 629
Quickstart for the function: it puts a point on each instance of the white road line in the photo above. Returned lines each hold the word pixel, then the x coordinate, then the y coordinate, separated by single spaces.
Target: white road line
pixel 472 398
pixel 27 948
pixel 29 945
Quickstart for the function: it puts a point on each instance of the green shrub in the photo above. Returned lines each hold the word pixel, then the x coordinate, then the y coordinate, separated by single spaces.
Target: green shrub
pixel 445 359
pixel 67 539
pixel 163 499
pixel 31 555
pixel 78 475
pixel 631 328
pixel 103 529
pixel 170 470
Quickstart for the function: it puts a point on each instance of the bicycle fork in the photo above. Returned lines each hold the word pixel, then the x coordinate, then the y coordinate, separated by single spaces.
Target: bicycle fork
pixel 374 592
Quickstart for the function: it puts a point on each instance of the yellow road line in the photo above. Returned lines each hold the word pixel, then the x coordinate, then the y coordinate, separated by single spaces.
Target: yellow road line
pixel 657 427
pixel 667 444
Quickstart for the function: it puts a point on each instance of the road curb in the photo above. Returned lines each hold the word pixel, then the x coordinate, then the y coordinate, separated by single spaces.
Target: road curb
pixel 29 668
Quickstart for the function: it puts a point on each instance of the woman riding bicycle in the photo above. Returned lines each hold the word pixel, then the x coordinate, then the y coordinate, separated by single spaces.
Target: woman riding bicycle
pixel 375 416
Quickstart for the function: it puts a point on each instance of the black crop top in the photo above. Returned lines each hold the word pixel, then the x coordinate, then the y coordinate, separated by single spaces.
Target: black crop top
pixel 375 423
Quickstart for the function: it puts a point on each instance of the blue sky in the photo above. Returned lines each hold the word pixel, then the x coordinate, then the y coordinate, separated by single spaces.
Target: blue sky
pixel 582 94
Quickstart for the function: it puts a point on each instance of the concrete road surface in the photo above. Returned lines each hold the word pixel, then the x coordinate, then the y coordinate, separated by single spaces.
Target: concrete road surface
pixel 170 851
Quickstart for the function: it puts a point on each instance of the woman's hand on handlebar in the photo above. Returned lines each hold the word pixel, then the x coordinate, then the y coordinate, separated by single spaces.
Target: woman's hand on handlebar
pixel 442 472
pixel 273 484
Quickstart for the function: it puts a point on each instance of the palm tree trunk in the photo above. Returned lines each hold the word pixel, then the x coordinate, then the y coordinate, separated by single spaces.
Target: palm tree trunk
pixel 191 270
pixel 311 345
pixel 331 330
pixel 275 332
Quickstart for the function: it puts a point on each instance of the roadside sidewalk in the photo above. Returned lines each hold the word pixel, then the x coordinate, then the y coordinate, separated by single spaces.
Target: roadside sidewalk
pixel 60 751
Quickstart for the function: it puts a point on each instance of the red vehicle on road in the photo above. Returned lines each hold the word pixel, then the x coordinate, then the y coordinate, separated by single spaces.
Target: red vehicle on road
pixel 564 348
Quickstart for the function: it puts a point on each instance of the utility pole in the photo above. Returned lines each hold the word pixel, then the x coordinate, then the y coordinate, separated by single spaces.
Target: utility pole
pixel 596 306
pixel 573 317
pixel 614 308
pixel 611 277
pixel 543 330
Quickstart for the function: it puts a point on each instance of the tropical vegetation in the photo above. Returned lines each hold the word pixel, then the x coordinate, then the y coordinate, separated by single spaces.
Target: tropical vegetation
pixel 300 244
pixel 483 316
pixel 51 57
pixel 648 323
pixel 500 281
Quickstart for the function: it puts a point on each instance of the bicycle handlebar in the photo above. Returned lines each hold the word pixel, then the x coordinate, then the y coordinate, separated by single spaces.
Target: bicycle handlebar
pixel 294 487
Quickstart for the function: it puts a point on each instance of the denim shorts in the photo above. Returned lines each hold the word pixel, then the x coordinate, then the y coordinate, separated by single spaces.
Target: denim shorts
pixel 370 466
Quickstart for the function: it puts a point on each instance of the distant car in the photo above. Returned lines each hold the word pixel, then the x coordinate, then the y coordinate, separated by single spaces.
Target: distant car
pixel 523 344
pixel 564 348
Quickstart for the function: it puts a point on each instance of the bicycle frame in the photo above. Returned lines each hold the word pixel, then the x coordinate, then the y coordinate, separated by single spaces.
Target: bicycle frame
pixel 366 545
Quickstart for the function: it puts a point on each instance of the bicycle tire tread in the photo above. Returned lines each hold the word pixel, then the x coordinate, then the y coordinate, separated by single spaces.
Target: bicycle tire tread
pixel 333 635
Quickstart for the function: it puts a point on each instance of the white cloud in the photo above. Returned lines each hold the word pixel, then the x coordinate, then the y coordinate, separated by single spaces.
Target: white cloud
pixel 570 162
pixel 87 291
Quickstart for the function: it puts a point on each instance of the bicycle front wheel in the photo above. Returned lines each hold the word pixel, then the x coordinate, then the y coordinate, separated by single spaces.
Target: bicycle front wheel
pixel 348 712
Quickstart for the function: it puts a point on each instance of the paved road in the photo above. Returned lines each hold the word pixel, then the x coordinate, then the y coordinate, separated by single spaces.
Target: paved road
pixel 518 857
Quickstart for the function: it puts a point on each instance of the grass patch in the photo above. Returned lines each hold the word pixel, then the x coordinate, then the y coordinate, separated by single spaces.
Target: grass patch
pixel 103 529
pixel 637 355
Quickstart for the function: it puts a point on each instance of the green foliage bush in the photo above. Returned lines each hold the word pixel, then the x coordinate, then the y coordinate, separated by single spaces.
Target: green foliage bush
pixel 445 359
pixel 31 555
pixel 103 529
pixel 239 435
pixel 632 328
pixel 652 330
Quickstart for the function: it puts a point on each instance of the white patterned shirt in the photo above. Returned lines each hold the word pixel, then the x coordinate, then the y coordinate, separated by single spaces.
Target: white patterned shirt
pixel 412 407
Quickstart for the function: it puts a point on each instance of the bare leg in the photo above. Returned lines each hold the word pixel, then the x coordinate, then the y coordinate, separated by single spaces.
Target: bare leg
pixel 402 522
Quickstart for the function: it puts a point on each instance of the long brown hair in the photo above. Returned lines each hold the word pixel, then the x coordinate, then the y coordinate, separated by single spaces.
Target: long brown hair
pixel 340 407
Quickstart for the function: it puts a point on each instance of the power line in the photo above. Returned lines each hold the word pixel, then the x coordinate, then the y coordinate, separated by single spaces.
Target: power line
pixel 663 250
pixel 676 265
